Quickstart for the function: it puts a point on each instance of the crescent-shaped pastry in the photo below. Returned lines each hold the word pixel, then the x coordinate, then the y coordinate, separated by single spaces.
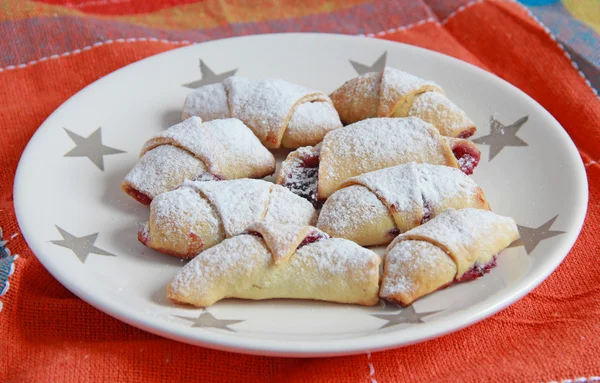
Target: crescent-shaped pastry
pixel 199 215
pixel 455 246
pixel 280 114
pixel 369 145
pixel 393 93
pixel 192 149
pixel 280 261
pixel 371 209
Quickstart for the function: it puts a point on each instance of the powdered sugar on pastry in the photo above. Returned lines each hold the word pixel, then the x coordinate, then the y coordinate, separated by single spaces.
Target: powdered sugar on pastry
pixel 216 265
pixel 354 205
pixel 286 208
pixel 335 257
pixel 437 109
pixel 208 102
pixel 199 215
pixel 227 146
pixel 162 167
pixel 412 264
pixel 267 105
pixel 375 144
pixel 282 240
pixel 397 87
pixel 238 202
pixel 310 122
pixel 182 207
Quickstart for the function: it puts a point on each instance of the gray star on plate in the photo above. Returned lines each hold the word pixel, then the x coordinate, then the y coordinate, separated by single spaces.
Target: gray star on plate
pixel 501 136
pixel 377 66
pixel 209 77
pixel 531 237
pixel 90 147
pixel 206 319
pixel 81 246
pixel 406 315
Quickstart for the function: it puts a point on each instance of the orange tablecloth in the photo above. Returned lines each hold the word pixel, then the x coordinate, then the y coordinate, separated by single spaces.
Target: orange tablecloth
pixel 51 49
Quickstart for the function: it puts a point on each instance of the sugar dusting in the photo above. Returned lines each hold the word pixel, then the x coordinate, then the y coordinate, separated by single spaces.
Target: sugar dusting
pixel 401 263
pixel 265 105
pixel 182 207
pixel 286 208
pixel 380 142
pixel 348 208
pixel 208 102
pixel 313 119
pixel 238 202
pixel 437 109
pixel 397 85
pixel 339 257
pixel 162 168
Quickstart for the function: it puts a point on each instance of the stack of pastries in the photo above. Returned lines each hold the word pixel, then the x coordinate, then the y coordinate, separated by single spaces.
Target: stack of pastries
pixel 383 160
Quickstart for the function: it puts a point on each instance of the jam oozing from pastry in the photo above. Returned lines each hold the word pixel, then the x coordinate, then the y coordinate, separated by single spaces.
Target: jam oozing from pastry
pixel 302 178
pixel 393 233
pixel 467 133
pixel 137 195
pixel 478 271
pixel 312 238
pixel 143 236
pixel 468 156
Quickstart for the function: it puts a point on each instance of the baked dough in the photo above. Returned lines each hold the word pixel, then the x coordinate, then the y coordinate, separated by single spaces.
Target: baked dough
pixel 199 215
pixel 371 209
pixel 455 246
pixel 370 145
pixel 280 261
pixel 193 149
pixel 280 114
pixel 394 93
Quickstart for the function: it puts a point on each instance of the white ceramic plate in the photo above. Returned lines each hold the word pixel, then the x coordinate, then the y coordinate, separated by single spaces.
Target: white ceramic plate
pixel 64 198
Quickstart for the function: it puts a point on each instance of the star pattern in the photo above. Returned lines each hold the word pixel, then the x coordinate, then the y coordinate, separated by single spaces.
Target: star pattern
pixel 81 246
pixel 377 66
pixel 206 319
pixel 531 237
pixel 406 315
pixel 90 147
pixel 209 77
pixel 502 136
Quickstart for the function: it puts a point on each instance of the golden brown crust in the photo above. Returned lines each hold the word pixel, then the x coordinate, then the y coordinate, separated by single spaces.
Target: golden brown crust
pixel 280 114
pixel 358 99
pixel 405 194
pixel 375 144
pixel 222 149
pixel 468 238
pixel 331 269
pixel 199 215
pixel 393 93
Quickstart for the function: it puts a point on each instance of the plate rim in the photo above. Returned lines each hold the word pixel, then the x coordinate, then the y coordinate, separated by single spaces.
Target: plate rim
pixel 298 348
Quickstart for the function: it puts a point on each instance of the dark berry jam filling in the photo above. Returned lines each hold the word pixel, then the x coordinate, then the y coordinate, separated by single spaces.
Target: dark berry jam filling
pixel 427 212
pixel 468 157
pixel 466 133
pixel 478 271
pixel 312 238
pixel 137 195
pixel 302 178
pixel 393 233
